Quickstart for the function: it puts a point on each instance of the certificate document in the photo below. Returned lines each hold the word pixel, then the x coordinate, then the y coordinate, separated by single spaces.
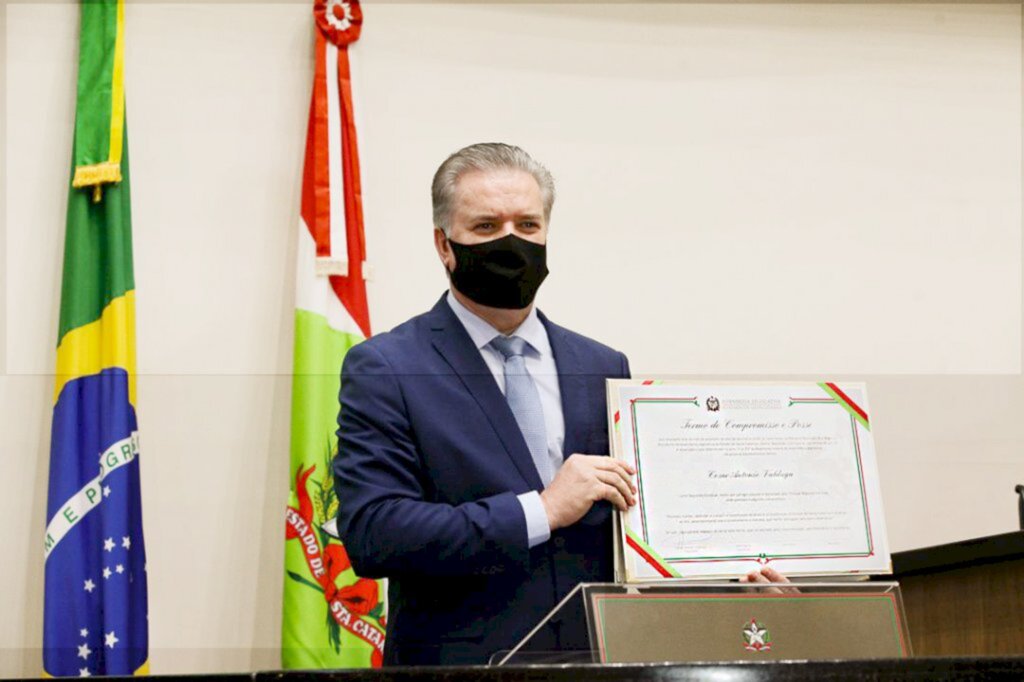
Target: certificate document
pixel 731 477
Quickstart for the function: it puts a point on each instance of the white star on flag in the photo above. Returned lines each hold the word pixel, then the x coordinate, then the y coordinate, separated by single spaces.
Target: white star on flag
pixel 106 491
pixel 84 651
pixel 108 545
pixel 106 572
pixel 88 587
pixel 111 640
pixel 84 672
pixel 126 542
pixel 83 632
pixel 120 568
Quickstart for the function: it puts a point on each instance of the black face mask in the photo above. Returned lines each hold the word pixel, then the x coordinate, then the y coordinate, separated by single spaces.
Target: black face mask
pixel 502 273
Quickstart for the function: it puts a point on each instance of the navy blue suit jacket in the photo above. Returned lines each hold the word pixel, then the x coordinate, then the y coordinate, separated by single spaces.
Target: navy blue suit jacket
pixel 430 460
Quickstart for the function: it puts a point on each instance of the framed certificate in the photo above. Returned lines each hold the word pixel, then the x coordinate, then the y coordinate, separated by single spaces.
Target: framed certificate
pixel 731 477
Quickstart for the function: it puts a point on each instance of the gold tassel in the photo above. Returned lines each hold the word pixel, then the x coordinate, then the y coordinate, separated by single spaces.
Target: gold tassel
pixel 96 174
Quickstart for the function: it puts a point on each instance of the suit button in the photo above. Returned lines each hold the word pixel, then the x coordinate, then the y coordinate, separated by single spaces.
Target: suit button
pixel 560 543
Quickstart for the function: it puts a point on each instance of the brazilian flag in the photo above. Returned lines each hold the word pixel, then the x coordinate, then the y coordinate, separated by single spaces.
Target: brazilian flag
pixel 95 602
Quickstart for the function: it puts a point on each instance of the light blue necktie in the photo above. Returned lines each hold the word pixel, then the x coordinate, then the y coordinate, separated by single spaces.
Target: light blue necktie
pixel 524 399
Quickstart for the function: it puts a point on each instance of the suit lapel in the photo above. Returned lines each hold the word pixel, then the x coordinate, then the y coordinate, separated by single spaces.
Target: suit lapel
pixel 453 343
pixel 572 386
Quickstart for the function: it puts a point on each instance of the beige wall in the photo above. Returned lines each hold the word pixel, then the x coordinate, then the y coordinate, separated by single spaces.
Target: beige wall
pixel 745 190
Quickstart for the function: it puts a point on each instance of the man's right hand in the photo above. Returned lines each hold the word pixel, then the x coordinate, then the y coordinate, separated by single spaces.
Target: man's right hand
pixel 583 480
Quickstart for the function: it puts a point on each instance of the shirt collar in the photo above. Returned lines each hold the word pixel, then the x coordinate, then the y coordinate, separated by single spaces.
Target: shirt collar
pixel 481 332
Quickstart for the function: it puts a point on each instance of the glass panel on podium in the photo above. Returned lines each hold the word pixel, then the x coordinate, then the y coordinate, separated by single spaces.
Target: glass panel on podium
pixel 727 621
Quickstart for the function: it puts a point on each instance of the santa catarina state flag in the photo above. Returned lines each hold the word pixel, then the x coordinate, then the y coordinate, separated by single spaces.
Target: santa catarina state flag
pixel 95 600
pixel 331 617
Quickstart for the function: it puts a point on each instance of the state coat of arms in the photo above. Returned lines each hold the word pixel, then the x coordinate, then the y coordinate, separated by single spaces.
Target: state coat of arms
pixel 353 606
pixel 756 637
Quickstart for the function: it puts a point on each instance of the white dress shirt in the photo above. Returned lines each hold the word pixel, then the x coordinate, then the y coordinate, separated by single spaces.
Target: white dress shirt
pixel 540 363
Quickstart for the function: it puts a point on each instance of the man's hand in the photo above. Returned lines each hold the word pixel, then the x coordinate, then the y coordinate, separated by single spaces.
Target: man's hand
pixel 583 480
pixel 769 575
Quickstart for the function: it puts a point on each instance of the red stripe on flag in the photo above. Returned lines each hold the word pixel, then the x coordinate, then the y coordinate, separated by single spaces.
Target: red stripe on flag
pixel 351 289
pixel 854 406
pixel 316 187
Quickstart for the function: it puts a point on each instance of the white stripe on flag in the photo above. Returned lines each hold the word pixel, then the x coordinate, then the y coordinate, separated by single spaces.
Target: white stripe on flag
pixel 89 497
pixel 314 294
pixel 339 243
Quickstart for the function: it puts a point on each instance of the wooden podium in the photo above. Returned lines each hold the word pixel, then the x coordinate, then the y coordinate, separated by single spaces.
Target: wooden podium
pixel 965 598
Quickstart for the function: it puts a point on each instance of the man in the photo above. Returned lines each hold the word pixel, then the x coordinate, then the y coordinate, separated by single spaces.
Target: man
pixel 472 466
pixel 476 477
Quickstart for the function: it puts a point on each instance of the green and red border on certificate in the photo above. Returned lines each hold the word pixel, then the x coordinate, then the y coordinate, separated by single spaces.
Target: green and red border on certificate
pixel 640 543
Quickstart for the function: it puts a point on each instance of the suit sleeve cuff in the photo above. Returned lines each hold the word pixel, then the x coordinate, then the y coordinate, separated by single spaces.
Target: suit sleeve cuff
pixel 537 528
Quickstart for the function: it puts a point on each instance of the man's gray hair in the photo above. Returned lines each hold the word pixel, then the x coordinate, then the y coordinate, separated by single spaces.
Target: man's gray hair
pixel 484 157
